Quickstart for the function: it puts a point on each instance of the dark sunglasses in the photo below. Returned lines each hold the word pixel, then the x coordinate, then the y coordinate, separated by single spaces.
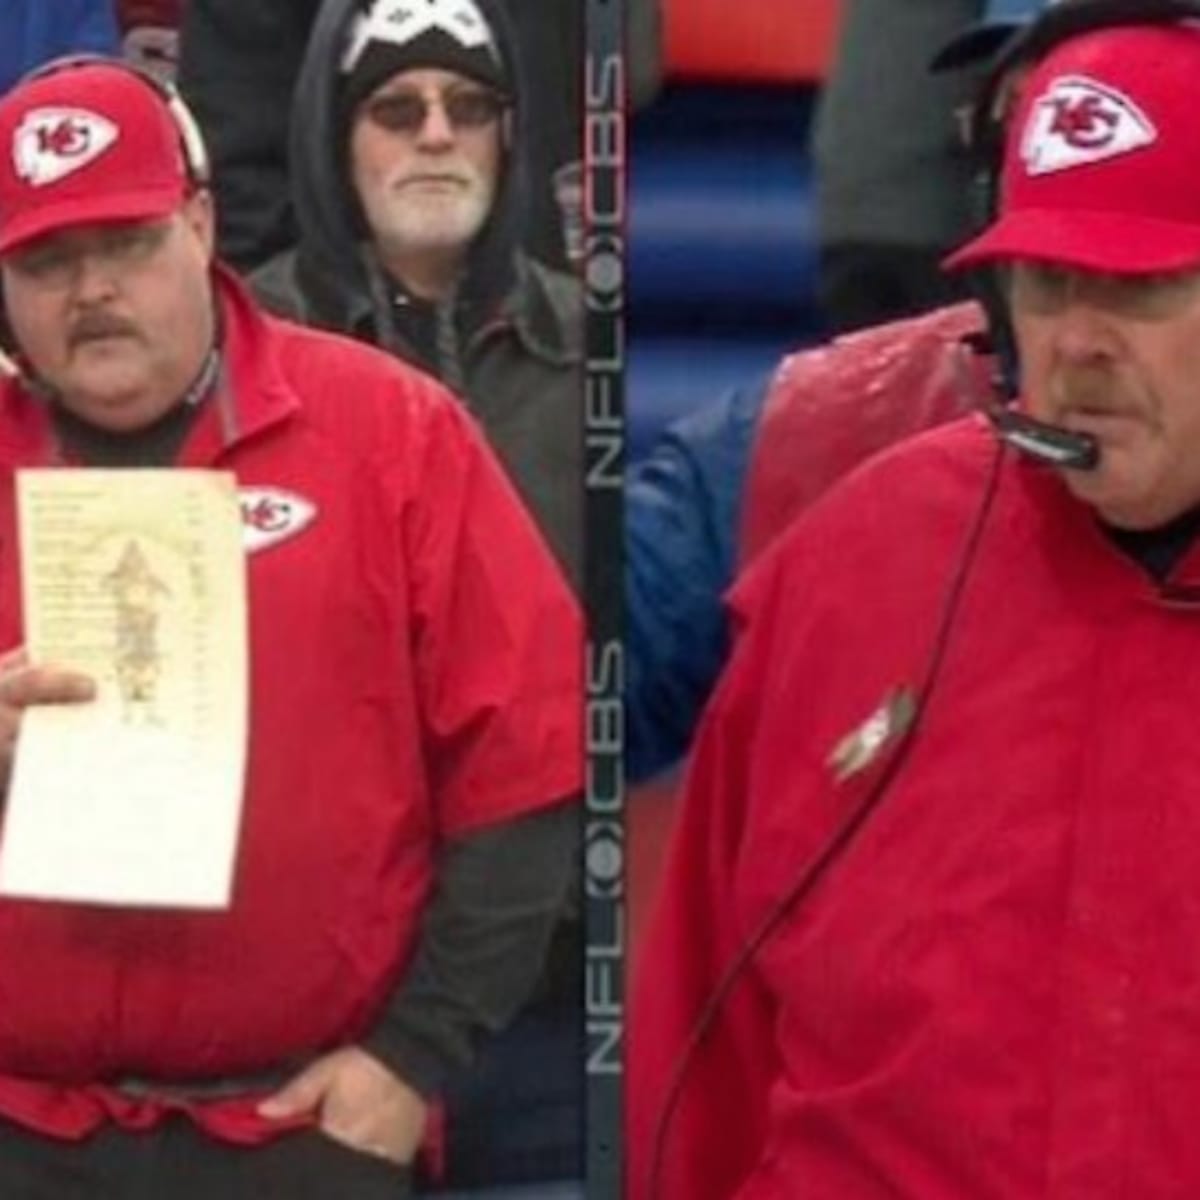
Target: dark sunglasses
pixel 407 112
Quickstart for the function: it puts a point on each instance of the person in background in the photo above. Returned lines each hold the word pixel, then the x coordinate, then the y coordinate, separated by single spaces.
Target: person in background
pixel 239 68
pixel 409 179
pixel 150 34
pixel 238 64
pixel 893 179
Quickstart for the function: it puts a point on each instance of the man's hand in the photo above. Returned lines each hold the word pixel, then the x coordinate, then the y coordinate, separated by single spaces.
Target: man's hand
pixel 357 1101
pixel 21 685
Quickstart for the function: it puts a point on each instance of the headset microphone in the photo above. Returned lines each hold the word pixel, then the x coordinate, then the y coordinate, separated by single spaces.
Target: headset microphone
pixel 1047 443
pixel 1050 444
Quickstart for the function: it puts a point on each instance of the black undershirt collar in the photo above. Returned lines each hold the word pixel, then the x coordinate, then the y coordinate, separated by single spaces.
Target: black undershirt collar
pixel 156 445
pixel 1157 550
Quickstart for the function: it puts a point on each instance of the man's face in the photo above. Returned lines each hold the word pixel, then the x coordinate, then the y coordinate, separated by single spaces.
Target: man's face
pixel 1117 357
pixel 116 318
pixel 425 152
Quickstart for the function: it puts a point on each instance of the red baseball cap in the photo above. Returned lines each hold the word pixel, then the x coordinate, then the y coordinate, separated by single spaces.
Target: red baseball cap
pixel 1102 160
pixel 86 144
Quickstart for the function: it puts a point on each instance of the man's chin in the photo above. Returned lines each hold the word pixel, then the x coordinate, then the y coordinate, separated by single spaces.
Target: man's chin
pixel 116 405
pixel 435 227
pixel 1116 501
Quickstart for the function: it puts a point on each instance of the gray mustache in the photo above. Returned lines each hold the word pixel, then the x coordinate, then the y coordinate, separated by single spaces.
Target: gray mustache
pixel 88 329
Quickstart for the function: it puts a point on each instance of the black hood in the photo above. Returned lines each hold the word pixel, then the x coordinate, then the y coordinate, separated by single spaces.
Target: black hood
pixel 331 230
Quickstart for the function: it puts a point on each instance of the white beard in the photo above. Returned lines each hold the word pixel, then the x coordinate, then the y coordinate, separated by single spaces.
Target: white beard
pixel 409 219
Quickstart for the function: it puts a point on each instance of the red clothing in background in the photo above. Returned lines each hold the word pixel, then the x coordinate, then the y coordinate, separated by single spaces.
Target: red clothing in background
pixel 831 407
pixel 150 33
pixel 165 13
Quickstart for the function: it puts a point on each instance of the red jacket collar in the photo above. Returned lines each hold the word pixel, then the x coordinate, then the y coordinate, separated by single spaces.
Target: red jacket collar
pixel 252 392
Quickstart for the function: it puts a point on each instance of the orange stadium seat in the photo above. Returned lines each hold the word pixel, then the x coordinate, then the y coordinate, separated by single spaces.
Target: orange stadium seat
pixel 753 41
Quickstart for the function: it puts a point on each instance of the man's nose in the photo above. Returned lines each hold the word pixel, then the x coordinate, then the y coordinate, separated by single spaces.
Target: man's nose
pixel 94 278
pixel 436 130
pixel 1085 332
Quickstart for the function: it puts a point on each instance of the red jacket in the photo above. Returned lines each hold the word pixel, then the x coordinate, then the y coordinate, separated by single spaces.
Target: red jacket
pixel 994 992
pixel 414 674
pixel 831 407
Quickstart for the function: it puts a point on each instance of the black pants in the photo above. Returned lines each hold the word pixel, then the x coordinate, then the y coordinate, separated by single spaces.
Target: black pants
pixel 176 1161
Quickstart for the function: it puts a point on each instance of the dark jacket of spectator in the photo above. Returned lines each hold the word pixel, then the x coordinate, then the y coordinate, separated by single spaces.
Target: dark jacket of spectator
pixel 237 68
pixel 892 174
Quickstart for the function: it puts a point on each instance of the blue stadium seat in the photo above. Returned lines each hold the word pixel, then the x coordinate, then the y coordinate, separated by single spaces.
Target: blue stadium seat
pixel 722 257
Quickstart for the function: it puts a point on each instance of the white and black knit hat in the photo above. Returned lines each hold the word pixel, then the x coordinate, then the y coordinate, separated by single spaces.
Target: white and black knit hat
pixel 399 35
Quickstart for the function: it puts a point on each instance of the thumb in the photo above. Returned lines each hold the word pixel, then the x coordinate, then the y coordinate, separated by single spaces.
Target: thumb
pixel 301 1094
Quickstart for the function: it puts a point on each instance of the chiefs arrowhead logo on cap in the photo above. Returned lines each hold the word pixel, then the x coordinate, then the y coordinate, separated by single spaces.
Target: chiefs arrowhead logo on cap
pixel 50 143
pixel 271 515
pixel 1077 121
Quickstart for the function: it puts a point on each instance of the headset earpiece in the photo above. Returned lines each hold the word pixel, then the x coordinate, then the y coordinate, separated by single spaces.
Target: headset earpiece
pixel 191 140
pixel 195 153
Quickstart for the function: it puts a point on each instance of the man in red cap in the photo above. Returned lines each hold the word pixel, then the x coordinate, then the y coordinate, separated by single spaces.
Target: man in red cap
pixel 931 925
pixel 413 710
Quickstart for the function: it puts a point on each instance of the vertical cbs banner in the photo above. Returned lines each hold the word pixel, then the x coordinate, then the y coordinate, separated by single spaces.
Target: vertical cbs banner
pixel 604 834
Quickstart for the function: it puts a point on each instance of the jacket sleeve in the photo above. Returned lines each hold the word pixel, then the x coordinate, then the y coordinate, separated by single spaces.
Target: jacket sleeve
pixel 682 511
pixel 483 945
pixel 496 635
pixel 496 642
pixel 238 65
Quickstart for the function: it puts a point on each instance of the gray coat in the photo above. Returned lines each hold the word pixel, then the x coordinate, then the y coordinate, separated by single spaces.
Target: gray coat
pixel 889 165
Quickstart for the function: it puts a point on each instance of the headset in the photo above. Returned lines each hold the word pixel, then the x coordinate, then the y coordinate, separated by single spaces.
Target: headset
pixel 986 126
pixel 1044 442
pixel 191 141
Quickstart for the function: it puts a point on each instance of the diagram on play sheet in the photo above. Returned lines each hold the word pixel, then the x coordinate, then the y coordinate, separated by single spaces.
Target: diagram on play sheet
pixel 136 578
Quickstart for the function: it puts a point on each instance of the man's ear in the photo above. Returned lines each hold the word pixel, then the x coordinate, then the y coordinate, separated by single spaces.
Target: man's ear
pixel 200 214
pixel 506 129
